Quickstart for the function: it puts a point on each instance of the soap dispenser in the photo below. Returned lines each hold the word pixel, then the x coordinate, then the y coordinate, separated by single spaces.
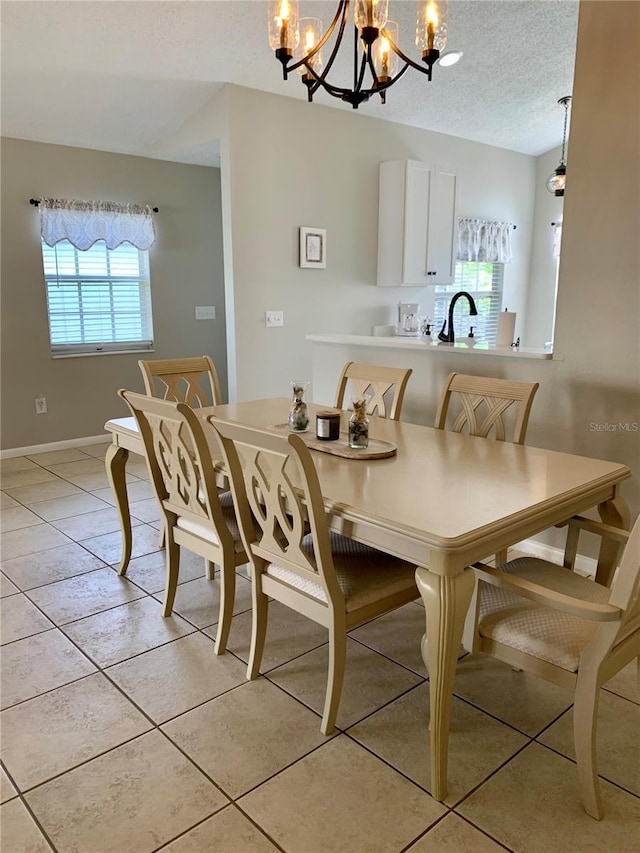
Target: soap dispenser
pixel 471 340
pixel 426 331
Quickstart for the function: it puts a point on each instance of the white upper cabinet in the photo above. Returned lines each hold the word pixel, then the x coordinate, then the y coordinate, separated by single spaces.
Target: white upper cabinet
pixel 416 224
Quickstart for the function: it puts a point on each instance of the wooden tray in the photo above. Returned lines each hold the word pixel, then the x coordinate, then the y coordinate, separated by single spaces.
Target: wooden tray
pixel 376 450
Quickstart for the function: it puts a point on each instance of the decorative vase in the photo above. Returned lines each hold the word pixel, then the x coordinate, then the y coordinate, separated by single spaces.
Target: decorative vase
pixel 299 414
pixel 359 425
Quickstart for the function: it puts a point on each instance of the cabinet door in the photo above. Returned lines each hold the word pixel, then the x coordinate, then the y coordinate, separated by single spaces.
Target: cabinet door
pixel 418 191
pixel 441 242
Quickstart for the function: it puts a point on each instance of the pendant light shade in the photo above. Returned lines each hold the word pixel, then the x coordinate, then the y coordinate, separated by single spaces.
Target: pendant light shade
pixel 557 181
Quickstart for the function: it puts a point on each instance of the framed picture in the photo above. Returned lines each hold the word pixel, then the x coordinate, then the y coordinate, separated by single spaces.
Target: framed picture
pixel 313 247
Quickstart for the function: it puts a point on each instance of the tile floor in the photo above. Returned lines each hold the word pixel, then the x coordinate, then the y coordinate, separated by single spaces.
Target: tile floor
pixel 121 731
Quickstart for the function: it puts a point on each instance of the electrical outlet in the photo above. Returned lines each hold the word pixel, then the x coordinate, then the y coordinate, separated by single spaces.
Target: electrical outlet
pixel 274 318
pixel 41 405
pixel 205 312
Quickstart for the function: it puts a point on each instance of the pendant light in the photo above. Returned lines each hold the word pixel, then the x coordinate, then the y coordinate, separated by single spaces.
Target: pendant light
pixel 558 179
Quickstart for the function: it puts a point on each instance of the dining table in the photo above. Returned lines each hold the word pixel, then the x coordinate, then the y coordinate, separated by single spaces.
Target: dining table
pixel 442 501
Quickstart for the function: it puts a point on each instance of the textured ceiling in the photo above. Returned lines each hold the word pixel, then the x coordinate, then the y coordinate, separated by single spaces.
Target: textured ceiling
pixel 124 76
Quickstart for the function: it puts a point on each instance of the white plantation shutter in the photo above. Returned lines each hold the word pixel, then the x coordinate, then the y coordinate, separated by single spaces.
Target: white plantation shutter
pixel 99 300
pixel 483 281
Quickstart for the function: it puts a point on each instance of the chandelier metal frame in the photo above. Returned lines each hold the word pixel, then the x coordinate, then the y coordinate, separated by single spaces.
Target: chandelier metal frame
pixel 368 35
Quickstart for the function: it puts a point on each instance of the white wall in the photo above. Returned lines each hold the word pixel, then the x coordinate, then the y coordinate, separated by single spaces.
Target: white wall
pixel 294 164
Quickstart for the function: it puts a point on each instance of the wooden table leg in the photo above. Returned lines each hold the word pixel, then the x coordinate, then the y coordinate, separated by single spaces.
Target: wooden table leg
pixel 616 513
pixel 116 463
pixel 446 600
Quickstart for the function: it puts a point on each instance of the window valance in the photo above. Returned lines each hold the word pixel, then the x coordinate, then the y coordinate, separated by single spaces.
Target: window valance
pixel 84 223
pixel 483 240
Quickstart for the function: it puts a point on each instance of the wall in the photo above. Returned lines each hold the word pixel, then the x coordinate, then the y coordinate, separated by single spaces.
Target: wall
pixel 293 164
pixel 186 267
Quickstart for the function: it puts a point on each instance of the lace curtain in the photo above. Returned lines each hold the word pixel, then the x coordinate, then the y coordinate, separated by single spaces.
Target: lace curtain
pixel 83 223
pixel 481 240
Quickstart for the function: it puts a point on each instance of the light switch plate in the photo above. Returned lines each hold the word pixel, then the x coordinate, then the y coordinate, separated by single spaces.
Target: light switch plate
pixel 205 312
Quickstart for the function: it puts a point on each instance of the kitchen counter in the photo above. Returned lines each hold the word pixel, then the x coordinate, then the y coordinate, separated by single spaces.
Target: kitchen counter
pixel 418 345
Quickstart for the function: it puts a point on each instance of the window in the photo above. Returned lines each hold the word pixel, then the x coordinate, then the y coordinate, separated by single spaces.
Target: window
pixel 98 300
pixel 483 281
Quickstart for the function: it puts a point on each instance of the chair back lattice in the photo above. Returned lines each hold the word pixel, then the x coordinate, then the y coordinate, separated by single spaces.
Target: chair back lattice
pixel 625 589
pixel 278 501
pixel 375 384
pixel 193 381
pixel 482 403
pixel 179 460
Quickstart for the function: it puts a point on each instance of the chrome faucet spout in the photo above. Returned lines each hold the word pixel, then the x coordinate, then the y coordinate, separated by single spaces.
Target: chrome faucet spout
pixel 449 336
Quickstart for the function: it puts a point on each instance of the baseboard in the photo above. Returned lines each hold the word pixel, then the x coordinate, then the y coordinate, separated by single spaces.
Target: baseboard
pixel 67 444
pixel 584 565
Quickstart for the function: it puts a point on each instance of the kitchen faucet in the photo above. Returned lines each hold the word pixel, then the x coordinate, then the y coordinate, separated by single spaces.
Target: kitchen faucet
pixel 449 336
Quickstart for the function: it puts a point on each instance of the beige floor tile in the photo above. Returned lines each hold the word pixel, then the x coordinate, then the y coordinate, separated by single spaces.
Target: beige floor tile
pixel 228 831
pixel 141 794
pixel 455 835
pixel 137 490
pixel 57 457
pixel 626 683
pixel 239 748
pixel 26 477
pixel 18 463
pixel 108 546
pixel 397 635
pixel 18 830
pixel 55 732
pixel 87 465
pixel 55 488
pixel 524 701
pixel 125 631
pixel 6 587
pixel 477 744
pixel 176 677
pixel 40 663
pixel 97 450
pixel 19 618
pixel 7 788
pixel 148 510
pixel 289 634
pixel 370 681
pixel 532 805
pixel 90 524
pixel 68 507
pixel 52 565
pixel 149 571
pixel 199 600
pixel 84 595
pixel 7 502
pixel 370 808
pixel 17 518
pixel 31 540
pixel 89 482
pixel 138 469
pixel 618 741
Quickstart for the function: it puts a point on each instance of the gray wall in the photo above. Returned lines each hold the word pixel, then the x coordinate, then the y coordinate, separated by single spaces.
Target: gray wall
pixel 186 265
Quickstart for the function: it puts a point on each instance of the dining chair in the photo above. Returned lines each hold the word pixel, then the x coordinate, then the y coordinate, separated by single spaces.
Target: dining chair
pixel 477 404
pixel 565 628
pixel 374 383
pixel 194 513
pixel 295 558
pixel 184 380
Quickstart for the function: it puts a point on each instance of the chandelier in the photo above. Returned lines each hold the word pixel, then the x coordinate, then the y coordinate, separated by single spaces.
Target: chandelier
pixel 298 44
pixel 557 181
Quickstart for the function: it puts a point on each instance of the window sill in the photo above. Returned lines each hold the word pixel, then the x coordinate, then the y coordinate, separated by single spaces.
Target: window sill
pixel 106 352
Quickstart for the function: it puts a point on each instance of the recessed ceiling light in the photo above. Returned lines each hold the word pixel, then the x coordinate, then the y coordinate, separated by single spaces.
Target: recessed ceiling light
pixel 450 58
